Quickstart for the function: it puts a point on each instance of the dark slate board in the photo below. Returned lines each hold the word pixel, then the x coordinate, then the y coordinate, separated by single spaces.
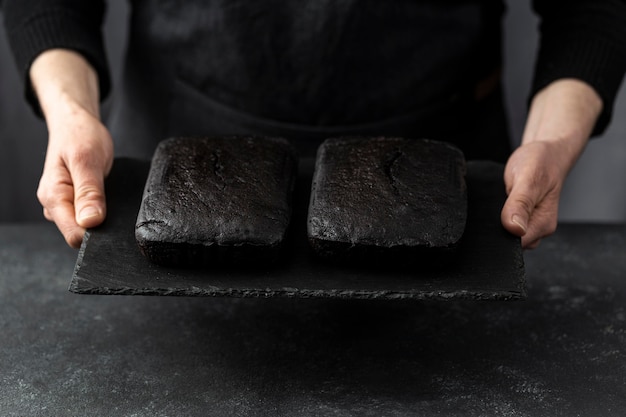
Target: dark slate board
pixel 487 265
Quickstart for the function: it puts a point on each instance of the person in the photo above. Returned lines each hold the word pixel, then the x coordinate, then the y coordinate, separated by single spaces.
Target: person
pixel 310 70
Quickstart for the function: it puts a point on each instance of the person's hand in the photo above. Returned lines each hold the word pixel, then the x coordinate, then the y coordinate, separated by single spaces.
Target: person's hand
pixel 71 189
pixel 561 118
pixel 533 177
pixel 80 149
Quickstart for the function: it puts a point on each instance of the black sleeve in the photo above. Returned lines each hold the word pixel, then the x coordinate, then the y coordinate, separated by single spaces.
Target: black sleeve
pixel 33 26
pixel 586 40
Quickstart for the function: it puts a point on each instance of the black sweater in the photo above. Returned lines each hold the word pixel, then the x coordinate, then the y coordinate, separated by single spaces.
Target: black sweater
pixel 583 39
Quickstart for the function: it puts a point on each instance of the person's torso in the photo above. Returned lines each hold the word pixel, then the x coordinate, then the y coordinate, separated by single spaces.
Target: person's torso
pixel 321 62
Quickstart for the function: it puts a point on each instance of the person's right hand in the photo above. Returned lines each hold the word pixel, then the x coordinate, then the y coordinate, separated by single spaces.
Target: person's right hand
pixel 80 148
pixel 71 189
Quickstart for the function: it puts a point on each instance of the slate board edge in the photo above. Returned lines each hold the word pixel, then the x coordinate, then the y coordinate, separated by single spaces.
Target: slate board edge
pixel 73 287
pixel 303 293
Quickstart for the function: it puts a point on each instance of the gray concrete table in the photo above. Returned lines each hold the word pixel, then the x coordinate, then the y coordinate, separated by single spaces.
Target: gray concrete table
pixel 560 352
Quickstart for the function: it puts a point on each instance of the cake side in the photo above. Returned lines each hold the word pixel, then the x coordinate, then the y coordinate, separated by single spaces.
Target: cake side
pixel 386 195
pixel 216 199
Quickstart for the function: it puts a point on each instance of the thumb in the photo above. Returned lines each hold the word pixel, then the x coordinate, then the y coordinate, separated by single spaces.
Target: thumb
pixel 89 199
pixel 518 209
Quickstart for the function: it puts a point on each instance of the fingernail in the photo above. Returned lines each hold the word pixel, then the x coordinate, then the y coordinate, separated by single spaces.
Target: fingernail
pixel 515 219
pixel 88 212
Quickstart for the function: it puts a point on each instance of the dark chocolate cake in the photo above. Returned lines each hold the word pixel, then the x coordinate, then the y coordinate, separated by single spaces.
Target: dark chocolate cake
pixel 377 198
pixel 214 200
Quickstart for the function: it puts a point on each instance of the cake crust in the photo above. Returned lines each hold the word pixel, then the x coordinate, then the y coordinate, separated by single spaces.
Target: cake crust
pixel 386 196
pixel 212 200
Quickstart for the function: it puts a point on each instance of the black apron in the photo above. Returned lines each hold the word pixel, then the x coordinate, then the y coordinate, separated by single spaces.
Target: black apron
pixel 319 70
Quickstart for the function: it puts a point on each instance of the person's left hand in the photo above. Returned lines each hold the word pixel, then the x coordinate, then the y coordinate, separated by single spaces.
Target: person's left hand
pixel 533 177
pixel 561 118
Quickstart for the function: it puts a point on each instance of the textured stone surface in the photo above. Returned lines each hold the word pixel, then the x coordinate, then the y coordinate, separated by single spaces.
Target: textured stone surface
pixel 209 200
pixel 559 353
pixel 378 195
pixel 488 263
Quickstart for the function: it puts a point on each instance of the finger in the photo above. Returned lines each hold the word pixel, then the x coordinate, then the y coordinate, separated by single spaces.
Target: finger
pixel 530 244
pixel 530 215
pixel 56 195
pixel 62 214
pixel 518 209
pixel 89 200
pixel 543 222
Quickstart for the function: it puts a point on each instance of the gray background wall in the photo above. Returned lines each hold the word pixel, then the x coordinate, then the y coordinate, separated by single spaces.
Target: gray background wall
pixel 595 190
